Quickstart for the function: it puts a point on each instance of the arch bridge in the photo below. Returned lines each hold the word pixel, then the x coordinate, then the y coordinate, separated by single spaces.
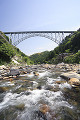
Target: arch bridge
pixel 57 36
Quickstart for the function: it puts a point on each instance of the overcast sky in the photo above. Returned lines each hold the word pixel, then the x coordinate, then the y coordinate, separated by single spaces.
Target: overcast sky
pixel 30 15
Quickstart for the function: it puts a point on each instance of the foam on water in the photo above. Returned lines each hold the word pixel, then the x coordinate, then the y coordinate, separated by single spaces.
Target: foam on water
pixel 43 74
pixel 6 84
pixel 65 85
pixel 30 75
pixel 13 99
pixel 54 100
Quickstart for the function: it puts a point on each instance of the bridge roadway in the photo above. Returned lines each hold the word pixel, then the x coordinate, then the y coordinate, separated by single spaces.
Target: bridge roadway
pixel 38 32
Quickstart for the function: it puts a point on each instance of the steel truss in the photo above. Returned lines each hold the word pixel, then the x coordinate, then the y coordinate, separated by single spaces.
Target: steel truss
pixel 57 36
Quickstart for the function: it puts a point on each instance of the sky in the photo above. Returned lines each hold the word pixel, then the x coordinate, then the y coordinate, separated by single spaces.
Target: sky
pixel 39 15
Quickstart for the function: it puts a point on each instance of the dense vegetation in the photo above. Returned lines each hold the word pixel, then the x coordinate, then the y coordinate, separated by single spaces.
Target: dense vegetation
pixel 8 51
pixel 40 58
pixel 67 51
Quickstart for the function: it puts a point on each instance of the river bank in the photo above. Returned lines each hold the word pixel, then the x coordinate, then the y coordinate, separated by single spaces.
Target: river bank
pixel 40 92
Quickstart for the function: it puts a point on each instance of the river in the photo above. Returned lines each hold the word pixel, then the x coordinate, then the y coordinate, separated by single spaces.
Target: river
pixel 45 96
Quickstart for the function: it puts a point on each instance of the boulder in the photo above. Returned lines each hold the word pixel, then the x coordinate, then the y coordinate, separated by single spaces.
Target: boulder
pixel 74 81
pixel 70 75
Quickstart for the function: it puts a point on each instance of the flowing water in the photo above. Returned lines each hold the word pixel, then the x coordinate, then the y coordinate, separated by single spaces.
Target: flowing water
pixel 43 97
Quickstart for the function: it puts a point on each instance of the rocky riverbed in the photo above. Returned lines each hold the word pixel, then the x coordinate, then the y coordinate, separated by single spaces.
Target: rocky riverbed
pixel 40 92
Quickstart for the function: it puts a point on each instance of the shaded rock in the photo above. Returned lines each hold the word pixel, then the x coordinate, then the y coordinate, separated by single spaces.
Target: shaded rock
pixel 28 71
pixel 20 67
pixel 48 87
pixel 78 71
pixel 39 87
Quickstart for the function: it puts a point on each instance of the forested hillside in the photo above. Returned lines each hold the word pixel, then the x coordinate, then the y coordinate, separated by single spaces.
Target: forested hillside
pixel 9 52
pixel 68 51
pixel 39 58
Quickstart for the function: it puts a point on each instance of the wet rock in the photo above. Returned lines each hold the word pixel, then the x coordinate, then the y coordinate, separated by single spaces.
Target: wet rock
pixel 48 87
pixel 11 79
pixel 14 72
pixel 4 78
pixel 44 108
pixel 20 106
pixel 39 87
pixel 74 81
pixel 68 114
pixel 59 82
pixel 70 75
pixel 20 67
pixel 24 72
pixel 28 71
pixel 78 71
pixel 3 89
pixel 39 116
pixel 1 78
pixel 10 114
pixel 35 73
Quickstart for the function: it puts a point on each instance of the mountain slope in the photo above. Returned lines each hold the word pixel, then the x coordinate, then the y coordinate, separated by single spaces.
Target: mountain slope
pixel 9 53
pixel 39 58
pixel 67 51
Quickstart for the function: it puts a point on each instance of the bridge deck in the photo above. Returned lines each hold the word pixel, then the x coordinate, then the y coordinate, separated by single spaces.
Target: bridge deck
pixel 38 32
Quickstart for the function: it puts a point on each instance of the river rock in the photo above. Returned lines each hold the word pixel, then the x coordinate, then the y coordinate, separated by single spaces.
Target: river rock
pixel 74 81
pixel 35 73
pixel 48 87
pixel 59 82
pixel 78 71
pixel 3 89
pixel 20 106
pixel 2 67
pixel 14 72
pixel 70 75
pixel 44 108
